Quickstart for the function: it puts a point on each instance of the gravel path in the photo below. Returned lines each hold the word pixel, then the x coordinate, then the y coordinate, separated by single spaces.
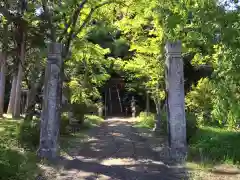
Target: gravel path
pixel 117 151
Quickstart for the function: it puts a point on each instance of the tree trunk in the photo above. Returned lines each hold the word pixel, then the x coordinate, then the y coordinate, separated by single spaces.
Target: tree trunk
pixel 30 104
pixel 31 98
pixel 147 104
pixel 16 112
pixel 35 83
pixel 3 60
pixel 50 117
pixel 12 95
pixel 2 82
pixel 158 115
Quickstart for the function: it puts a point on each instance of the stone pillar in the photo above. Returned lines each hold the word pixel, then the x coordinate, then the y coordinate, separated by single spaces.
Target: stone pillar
pixel 175 99
pixel 133 107
pixel 100 108
pixel 50 117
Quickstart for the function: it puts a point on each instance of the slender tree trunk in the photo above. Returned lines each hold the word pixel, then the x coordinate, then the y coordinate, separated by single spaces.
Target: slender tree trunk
pixel 16 109
pixel 2 83
pixel 3 60
pixel 147 104
pixel 16 112
pixel 30 105
pixel 12 95
pixel 158 115
pixel 31 99
pixel 35 83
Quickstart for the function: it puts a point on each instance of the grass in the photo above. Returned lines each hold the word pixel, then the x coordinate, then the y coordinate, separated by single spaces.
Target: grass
pixel 145 121
pixel 208 146
pixel 69 141
pixel 92 121
pixel 211 145
pixel 15 162
pixel 19 140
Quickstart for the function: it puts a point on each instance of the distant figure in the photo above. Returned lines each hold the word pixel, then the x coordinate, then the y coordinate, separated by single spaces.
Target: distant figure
pixel 100 108
pixel 126 111
pixel 133 106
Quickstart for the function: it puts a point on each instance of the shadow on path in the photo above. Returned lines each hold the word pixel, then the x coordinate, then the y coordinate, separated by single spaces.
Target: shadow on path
pixel 117 150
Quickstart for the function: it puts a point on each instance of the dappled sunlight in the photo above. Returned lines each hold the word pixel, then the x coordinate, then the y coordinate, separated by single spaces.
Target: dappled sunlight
pixel 117 134
pixel 150 161
pixel 104 177
pixel 95 149
pixel 86 159
pixel 2 129
pixel 15 161
pixel 92 139
pixel 117 150
pixel 118 161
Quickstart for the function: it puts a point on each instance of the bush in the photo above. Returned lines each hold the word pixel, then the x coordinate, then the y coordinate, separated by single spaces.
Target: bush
pixel 215 145
pixel 78 111
pixel 28 134
pixel 199 101
pixel 15 165
pixel 93 109
pixel 192 125
pixel 146 120
pixel 15 162
pixel 92 120
pixel 64 123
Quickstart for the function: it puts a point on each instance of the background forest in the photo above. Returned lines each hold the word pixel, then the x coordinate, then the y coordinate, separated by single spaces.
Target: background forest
pixel 104 38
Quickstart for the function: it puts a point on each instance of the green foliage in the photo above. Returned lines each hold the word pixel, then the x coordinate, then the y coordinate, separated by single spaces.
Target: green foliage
pixel 199 101
pixel 15 162
pixel 92 121
pixel 28 134
pixel 191 124
pixel 17 165
pixel 64 125
pixel 215 145
pixel 79 110
pixel 226 86
pixel 87 69
pixel 146 120
pixel 220 103
pixel 87 121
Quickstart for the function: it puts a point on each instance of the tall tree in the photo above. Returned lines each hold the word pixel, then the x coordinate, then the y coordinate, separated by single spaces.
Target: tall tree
pixel 72 28
pixel 3 61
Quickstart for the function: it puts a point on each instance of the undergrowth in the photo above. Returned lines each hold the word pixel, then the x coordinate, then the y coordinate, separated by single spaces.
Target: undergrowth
pixel 207 145
pixel 212 145
pixel 92 121
pixel 145 120
pixel 148 121
pixel 16 163
pixel 19 140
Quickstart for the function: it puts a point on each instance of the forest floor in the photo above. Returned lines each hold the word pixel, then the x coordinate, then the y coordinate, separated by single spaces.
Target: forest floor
pixel 118 150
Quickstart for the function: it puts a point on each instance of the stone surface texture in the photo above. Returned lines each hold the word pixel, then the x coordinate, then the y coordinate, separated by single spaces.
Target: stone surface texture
pixel 50 117
pixel 175 97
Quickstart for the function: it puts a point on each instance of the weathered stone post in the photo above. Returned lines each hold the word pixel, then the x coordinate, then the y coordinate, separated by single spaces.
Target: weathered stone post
pixel 175 100
pixel 100 108
pixel 133 107
pixel 50 117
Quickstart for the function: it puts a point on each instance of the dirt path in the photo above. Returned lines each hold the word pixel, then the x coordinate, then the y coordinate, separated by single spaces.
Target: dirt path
pixel 117 151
